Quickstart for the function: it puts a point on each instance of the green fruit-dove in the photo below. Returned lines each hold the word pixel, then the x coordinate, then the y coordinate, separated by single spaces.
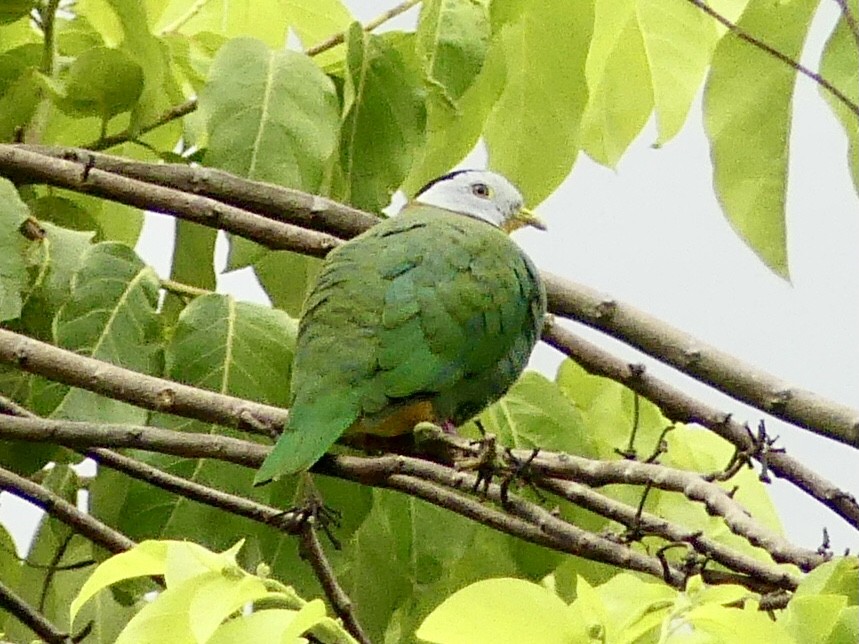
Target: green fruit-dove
pixel 430 315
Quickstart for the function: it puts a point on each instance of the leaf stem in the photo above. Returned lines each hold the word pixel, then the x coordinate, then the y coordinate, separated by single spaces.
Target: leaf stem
pixel 180 22
pixel 185 290
pixel 339 38
pixel 171 114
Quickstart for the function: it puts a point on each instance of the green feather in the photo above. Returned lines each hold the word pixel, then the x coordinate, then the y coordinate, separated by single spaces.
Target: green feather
pixel 429 305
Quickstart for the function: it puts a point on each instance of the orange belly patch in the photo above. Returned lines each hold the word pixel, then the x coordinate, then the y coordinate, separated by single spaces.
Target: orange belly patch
pixel 400 420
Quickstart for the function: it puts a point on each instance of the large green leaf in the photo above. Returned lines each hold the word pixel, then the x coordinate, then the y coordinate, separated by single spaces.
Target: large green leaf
pixel 678 40
pixel 20 88
pixel 747 113
pixel 230 347
pixel 840 66
pixel 272 115
pixel 266 20
pixel 452 41
pixel 286 278
pixel 111 316
pixel 13 265
pixel 453 130
pixel 533 131
pixel 619 82
pixel 102 82
pixel 384 118
pixel 193 263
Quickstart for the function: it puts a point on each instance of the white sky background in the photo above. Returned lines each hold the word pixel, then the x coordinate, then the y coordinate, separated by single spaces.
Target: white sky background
pixel 651 233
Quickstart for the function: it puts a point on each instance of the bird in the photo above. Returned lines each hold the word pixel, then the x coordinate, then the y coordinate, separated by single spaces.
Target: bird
pixel 428 316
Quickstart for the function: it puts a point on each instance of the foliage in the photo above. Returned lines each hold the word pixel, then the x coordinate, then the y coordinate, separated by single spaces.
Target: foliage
pixel 203 599
pixel 355 119
pixel 628 609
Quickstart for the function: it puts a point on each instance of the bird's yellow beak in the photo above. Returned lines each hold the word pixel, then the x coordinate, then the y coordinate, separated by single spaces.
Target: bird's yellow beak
pixel 523 218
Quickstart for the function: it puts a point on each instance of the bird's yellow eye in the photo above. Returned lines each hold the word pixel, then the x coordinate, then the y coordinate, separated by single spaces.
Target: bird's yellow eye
pixel 481 190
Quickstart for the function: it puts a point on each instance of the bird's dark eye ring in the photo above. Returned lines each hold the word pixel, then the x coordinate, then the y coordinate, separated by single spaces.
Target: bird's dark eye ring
pixel 480 190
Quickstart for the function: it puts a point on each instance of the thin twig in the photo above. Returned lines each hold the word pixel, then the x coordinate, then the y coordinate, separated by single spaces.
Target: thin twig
pixel 339 38
pixel 650 524
pixel 680 407
pixel 313 552
pixel 849 20
pixel 742 34
pixel 129 134
pixel 57 507
pixel 184 290
pixel 192 11
pixel 30 617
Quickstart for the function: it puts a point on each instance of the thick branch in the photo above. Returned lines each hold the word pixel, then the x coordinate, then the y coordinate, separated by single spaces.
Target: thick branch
pixel 703 362
pixel 138 389
pixel 683 408
pixel 25 166
pixel 265 199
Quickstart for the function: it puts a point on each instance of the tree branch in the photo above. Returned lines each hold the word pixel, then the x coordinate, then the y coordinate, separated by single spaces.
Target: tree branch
pixel 30 617
pixel 313 552
pixel 435 483
pixel 646 523
pixel 265 199
pixel 171 114
pixel 24 166
pixel 715 500
pixel 703 362
pixel 58 507
pixel 148 392
pixel 700 361
pixel 683 408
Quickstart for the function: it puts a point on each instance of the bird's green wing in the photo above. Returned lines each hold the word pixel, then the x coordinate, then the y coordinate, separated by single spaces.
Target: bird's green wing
pixel 429 305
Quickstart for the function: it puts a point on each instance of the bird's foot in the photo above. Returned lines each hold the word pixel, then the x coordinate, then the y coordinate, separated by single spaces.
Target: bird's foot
pixel 519 471
pixel 310 509
pixel 487 462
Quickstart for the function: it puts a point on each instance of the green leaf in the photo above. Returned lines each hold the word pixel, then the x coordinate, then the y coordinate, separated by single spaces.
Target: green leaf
pixel 453 130
pixel 384 118
pixel 60 253
pixel 452 41
pixel 20 88
pixel 846 629
pixel 811 619
pixel 678 40
pixel 13 245
pixel 837 577
pixel 102 82
pixel 76 35
pixel 533 130
pixel 111 316
pixel 619 82
pixel 193 263
pixel 286 278
pixel 535 413
pixel 266 20
pixel 633 607
pixel 271 115
pixel 840 66
pixel 500 611
pixel 715 623
pixel 230 347
pixel 13 10
pixel 747 113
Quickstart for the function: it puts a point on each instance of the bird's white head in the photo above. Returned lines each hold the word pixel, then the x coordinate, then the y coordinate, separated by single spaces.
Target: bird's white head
pixel 481 194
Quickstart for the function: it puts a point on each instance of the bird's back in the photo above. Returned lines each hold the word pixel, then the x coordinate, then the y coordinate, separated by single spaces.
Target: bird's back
pixel 430 315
